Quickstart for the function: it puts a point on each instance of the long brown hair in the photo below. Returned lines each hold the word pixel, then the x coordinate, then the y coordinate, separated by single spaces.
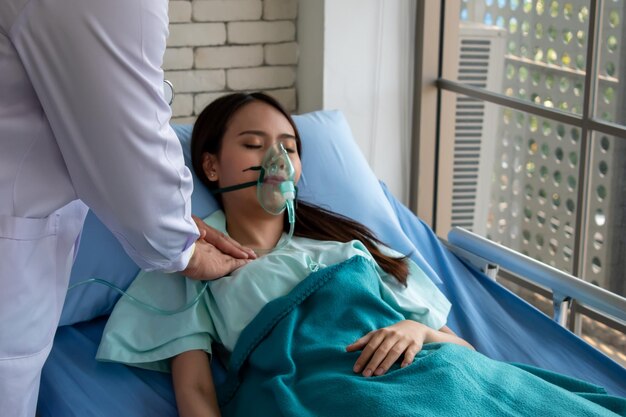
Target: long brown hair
pixel 311 221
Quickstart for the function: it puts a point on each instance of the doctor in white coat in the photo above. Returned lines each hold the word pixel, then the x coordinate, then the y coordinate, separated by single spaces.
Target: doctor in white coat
pixel 83 123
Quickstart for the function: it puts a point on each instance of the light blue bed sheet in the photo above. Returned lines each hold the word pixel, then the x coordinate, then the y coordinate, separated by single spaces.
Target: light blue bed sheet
pixel 497 322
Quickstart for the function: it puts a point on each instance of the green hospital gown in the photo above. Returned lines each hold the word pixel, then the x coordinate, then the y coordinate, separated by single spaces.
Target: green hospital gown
pixel 140 337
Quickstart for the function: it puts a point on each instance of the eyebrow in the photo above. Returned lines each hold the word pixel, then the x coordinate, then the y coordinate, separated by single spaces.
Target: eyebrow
pixel 263 134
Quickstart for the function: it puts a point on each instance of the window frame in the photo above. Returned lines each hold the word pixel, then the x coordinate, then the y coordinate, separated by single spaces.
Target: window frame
pixel 434 22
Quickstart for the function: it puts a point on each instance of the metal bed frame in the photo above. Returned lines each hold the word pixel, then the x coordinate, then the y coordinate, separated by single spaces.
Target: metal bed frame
pixel 571 296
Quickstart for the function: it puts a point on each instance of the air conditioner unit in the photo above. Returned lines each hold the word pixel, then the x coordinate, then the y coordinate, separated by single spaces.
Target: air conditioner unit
pixel 481 64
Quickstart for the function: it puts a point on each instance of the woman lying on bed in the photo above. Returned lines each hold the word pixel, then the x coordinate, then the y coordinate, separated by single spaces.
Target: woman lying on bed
pixel 329 323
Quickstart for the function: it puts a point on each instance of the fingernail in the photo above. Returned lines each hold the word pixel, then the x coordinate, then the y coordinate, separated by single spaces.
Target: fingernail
pixel 379 371
pixel 356 368
pixel 367 372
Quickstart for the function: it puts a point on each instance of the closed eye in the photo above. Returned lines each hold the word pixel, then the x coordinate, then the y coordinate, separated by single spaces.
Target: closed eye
pixel 290 145
pixel 247 146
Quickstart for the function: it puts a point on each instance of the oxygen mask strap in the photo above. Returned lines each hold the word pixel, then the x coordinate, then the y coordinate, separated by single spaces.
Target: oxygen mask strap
pixel 244 185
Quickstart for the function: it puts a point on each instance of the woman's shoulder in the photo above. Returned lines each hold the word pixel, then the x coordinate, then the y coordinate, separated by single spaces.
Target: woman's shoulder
pixel 329 252
pixel 316 244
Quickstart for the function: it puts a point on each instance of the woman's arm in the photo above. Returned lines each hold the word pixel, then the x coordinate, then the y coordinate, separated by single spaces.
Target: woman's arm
pixel 193 385
pixel 383 347
pixel 451 337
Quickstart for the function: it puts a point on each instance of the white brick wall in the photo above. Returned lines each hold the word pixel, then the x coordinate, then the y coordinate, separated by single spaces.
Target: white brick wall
pixel 281 54
pixel 261 77
pixel 280 9
pixel 220 46
pixel 229 56
pixel 227 11
pixel 178 59
pixel 180 11
pixel 260 32
pixel 196 81
pixel 196 34
pixel 182 105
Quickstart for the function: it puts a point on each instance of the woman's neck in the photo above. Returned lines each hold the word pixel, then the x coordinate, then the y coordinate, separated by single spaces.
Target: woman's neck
pixel 260 232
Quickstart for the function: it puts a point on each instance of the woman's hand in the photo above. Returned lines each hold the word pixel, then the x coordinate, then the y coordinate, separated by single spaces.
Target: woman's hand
pixel 383 347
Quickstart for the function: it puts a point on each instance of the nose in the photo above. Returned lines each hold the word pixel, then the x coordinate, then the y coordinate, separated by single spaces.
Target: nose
pixel 278 166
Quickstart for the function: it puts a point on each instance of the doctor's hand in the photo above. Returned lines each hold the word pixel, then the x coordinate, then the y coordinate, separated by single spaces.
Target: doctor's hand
pixel 222 242
pixel 209 263
pixel 383 347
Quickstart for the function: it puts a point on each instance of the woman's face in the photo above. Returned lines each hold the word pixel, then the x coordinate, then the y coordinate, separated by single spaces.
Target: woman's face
pixel 250 132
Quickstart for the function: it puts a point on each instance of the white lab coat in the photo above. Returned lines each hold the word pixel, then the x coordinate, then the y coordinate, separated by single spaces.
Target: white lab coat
pixel 82 117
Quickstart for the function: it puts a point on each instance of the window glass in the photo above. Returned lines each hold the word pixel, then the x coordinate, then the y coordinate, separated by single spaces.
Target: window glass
pixel 611 58
pixel 535 186
pixel 605 249
pixel 534 50
pixel 514 179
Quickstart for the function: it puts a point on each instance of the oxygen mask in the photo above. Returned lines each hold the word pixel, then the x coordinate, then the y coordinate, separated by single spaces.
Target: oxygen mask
pixel 276 190
pixel 275 187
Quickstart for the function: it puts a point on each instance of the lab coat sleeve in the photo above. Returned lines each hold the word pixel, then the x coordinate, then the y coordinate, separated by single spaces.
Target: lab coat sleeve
pixel 96 68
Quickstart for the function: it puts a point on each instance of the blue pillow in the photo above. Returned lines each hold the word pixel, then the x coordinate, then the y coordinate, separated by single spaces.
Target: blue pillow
pixel 335 176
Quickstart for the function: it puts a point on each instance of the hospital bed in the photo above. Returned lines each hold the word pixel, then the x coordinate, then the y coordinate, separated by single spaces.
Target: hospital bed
pixel 493 319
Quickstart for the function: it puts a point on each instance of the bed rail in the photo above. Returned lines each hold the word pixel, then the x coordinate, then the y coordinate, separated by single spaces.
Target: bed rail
pixel 485 254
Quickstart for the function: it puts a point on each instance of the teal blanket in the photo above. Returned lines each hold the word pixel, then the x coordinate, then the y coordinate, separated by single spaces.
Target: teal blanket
pixel 291 360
